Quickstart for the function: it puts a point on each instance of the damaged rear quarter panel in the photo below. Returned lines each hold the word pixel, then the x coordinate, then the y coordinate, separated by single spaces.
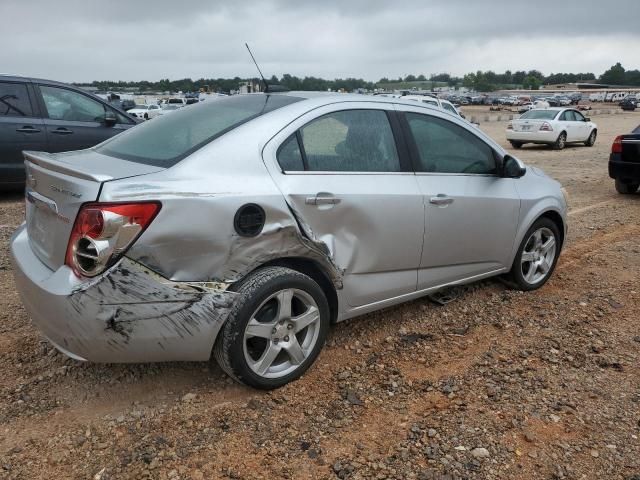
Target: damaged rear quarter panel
pixel 193 237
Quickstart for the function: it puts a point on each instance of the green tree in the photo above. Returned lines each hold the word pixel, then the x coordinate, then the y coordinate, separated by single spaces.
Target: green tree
pixel 531 83
pixel 614 76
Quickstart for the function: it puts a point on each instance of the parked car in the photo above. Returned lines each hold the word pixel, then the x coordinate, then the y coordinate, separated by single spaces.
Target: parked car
pixel 553 126
pixel 168 108
pixel 525 107
pixel 40 114
pixel 217 229
pixel 436 102
pixel 181 102
pixel 145 111
pixel 127 104
pixel 583 106
pixel 629 103
pixel 624 162
pixel 615 96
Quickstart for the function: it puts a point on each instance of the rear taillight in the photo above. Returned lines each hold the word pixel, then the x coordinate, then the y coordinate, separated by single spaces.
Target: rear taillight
pixel 509 126
pixel 103 232
pixel 546 127
pixel 616 147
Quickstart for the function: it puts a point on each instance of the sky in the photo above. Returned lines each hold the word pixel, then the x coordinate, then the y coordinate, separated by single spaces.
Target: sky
pixel 85 40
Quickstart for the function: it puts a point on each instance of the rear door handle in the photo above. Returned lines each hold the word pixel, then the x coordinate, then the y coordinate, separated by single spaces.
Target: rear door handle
pixel 27 129
pixel 441 199
pixel 320 199
pixel 62 131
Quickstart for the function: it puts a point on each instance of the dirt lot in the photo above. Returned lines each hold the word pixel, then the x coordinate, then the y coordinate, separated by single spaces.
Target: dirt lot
pixel 495 385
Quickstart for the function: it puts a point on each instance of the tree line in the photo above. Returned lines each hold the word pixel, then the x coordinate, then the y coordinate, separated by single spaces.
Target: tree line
pixel 482 81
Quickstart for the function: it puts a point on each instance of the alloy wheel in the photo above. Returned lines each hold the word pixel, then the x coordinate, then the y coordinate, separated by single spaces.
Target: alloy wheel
pixel 538 255
pixel 281 333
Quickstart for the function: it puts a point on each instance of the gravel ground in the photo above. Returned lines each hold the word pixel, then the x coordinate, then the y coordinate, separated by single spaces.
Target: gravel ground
pixel 495 385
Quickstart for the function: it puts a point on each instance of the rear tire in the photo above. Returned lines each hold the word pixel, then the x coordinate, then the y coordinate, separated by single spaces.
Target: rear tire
pixel 626 188
pixel 516 144
pixel 560 142
pixel 537 256
pixel 275 330
pixel 592 138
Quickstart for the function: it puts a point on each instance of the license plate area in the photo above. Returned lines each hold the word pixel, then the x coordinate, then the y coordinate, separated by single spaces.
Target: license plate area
pixel 42 218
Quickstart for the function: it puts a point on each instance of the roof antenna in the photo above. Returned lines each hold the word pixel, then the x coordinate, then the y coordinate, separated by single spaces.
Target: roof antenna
pixel 267 87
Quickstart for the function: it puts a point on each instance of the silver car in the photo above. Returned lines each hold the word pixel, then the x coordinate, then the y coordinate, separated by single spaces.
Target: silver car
pixel 241 228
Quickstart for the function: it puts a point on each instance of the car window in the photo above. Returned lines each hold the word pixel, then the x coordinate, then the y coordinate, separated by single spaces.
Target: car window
pixel 430 102
pixel 444 147
pixel 446 106
pixel 63 104
pixel 289 155
pixel 568 116
pixel 350 141
pixel 170 138
pixel 14 100
pixel 578 117
pixel 541 114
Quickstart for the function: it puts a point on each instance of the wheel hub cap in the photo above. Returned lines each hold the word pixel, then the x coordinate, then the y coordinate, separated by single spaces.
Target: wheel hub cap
pixel 281 333
pixel 538 255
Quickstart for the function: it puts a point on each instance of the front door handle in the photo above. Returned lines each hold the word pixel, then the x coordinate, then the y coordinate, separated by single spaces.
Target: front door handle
pixel 321 199
pixel 441 199
pixel 27 129
pixel 62 131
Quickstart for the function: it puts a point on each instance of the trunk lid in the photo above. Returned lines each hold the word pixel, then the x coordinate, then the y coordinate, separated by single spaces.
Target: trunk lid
pixel 527 125
pixel 631 148
pixel 57 186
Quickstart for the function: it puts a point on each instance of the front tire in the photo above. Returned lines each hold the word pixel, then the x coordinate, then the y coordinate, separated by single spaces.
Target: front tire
pixel 537 256
pixel 516 144
pixel 626 188
pixel 560 142
pixel 590 142
pixel 275 330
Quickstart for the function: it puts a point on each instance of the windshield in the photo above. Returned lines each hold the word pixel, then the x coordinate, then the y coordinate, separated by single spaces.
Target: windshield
pixel 140 107
pixel 169 139
pixel 170 107
pixel 540 115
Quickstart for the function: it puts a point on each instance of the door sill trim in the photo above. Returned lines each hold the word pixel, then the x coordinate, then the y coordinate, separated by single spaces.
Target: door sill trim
pixel 370 307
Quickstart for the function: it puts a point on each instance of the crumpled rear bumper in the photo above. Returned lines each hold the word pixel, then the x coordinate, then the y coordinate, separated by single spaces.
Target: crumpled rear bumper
pixel 128 314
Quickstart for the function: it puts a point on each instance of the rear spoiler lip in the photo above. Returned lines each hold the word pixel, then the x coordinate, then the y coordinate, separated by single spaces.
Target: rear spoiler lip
pixel 48 161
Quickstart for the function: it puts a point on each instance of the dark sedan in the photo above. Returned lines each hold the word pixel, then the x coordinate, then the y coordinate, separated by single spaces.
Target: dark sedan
pixel 624 162
pixel 50 116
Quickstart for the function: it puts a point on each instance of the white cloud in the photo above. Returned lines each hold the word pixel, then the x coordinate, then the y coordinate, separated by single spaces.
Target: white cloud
pixel 88 40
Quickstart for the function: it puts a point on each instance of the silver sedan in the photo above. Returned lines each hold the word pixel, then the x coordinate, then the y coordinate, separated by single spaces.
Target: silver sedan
pixel 240 229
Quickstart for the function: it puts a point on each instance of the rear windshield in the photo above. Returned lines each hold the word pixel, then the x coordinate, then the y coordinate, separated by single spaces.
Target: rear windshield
pixel 540 114
pixel 170 138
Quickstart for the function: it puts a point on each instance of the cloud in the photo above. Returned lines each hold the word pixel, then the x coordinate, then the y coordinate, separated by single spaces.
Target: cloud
pixel 84 40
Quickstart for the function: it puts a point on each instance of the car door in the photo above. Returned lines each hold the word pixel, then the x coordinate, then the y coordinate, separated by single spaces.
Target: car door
pixel 583 130
pixel 471 213
pixel 153 111
pixel 341 170
pixel 20 129
pixel 74 121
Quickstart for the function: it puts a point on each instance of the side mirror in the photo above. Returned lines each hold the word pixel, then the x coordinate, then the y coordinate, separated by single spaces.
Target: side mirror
pixel 587 119
pixel 110 118
pixel 511 168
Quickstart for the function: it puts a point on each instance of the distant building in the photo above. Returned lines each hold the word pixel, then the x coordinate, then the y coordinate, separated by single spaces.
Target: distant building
pixel 250 87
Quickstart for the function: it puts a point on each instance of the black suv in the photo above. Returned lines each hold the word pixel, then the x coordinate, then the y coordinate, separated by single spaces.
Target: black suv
pixel 50 116
pixel 629 103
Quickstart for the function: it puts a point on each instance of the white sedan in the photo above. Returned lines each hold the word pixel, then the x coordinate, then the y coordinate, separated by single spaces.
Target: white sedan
pixel 552 126
pixel 145 111
pixel 168 108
